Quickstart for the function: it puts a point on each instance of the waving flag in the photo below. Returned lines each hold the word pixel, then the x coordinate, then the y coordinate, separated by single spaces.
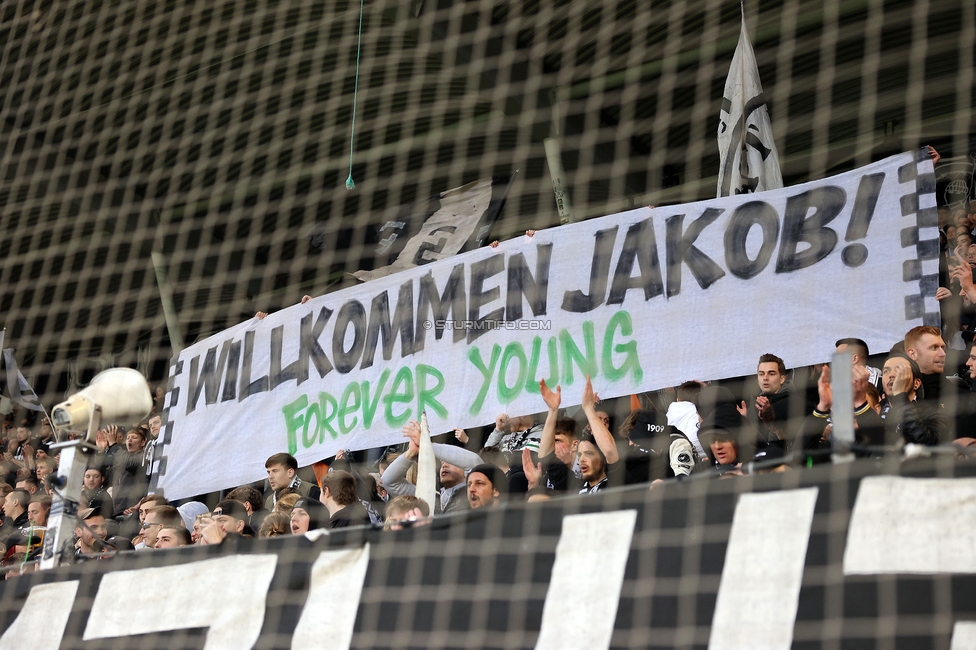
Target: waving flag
pixel 20 391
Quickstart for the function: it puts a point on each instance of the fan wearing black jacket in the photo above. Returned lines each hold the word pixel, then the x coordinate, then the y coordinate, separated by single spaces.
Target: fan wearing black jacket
pixel 909 419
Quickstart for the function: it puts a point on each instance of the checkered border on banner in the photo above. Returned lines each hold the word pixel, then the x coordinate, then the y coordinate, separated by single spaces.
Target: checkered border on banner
pixel 172 400
pixel 924 236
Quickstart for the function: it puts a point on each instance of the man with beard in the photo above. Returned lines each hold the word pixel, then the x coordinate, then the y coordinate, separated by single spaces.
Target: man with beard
pixel 924 345
pixel 94 494
pixel 596 453
pixel 455 461
pixel 485 483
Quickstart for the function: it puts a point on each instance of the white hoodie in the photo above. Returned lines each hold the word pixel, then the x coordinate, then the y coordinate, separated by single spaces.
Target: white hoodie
pixel 684 417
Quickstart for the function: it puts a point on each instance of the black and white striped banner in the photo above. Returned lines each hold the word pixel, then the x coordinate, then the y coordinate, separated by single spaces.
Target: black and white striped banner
pixel 822 558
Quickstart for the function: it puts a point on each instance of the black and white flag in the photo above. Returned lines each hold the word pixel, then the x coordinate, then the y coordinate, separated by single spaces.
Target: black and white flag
pixel 20 390
pixel 452 222
pixel 748 161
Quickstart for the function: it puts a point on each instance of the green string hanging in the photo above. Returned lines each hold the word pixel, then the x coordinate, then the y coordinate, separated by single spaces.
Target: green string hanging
pixel 350 184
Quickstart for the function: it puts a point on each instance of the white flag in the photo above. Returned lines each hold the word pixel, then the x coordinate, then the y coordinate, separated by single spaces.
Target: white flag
pixel 426 466
pixel 20 390
pixel 748 161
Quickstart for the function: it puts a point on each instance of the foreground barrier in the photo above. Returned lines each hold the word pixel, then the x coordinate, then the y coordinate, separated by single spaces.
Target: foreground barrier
pixel 833 557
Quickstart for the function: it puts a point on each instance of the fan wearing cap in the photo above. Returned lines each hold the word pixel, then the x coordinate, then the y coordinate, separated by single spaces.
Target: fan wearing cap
pixel 769 460
pixel 485 483
pixel 909 419
pixel 721 428
pixel 308 514
pixel 229 517
pixel 88 533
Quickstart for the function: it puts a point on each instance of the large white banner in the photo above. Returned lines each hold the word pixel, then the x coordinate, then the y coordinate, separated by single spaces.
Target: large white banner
pixel 637 300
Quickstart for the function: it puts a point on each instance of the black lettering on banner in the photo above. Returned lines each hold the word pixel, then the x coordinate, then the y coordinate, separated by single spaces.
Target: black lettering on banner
pixel 419 259
pixel 579 302
pixel 868 191
pixel 352 313
pixel 522 283
pixel 451 302
pixel 481 271
pixel 827 202
pixel 278 375
pixel 379 324
pixel 309 348
pixel 206 380
pixel 743 219
pixel 640 244
pixel 230 382
pixel 249 387
pixel 681 248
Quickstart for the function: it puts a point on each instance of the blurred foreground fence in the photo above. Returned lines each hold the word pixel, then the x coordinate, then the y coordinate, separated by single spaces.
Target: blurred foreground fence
pixel 861 555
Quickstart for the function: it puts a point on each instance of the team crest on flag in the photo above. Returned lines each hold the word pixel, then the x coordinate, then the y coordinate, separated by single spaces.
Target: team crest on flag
pixel 454 221
pixel 748 161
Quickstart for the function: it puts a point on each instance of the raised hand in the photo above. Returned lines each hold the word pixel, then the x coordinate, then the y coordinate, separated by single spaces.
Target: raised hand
pixel 461 436
pixel 306 298
pixel 903 379
pixel 533 472
pixel 501 421
pixel 590 397
pixel 825 391
pixel 552 399
pixel 412 430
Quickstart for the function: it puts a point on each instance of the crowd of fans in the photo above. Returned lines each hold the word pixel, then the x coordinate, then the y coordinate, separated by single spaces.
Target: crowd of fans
pixel 918 396
pixel 779 421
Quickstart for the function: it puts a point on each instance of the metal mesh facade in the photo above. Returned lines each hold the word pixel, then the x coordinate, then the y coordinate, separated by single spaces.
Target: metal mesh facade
pixel 218 134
